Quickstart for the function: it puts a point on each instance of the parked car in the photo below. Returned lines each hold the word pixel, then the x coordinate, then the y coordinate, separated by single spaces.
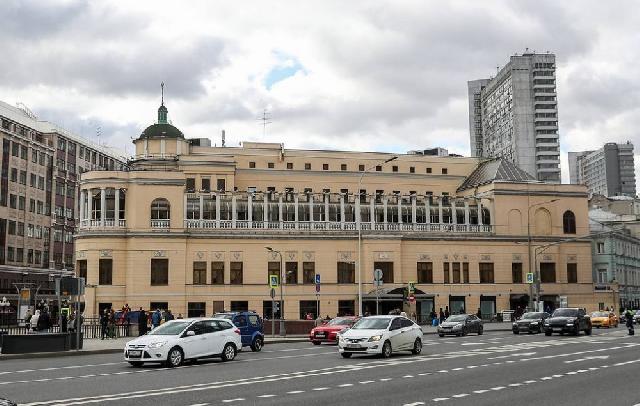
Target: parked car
pixel 382 335
pixel 531 322
pixel 636 317
pixel 178 340
pixel 250 325
pixel 327 332
pixel 568 320
pixel 604 319
pixel 461 325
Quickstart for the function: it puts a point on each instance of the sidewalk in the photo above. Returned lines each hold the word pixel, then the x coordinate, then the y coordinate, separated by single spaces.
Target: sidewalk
pixel 97 346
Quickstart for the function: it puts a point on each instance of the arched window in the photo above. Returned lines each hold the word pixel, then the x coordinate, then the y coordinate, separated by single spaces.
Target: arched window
pixel 160 209
pixel 486 216
pixel 569 222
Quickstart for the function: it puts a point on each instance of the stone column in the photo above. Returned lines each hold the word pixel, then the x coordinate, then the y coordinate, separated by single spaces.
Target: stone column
pixel 265 209
pixel 440 217
pixel 479 212
pixel 234 209
pixel 326 207
pixel 280 208
pixel 342 219
pixel 399 209
pixel 372 208
pixel 414 211
pixel 250 209
pixel 217 195
pixel 201 208
pixel 427 207
pixel 310 202
pixel 103 205
pixel 82 208
pixel 116 214
pixel 185 207
pixel 454 214
pixel 295 210
pixel 466 211
pixel 384 211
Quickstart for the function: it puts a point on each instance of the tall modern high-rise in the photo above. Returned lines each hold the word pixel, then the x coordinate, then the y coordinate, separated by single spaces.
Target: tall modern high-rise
pixel 608 171
pixel 515 115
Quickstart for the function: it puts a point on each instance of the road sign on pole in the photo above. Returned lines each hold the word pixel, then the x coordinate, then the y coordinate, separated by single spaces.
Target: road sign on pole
pixel 317 283
pixel 377 277
pixel 274 281
pixel 530 277
pixel 412 287
pixel 272 293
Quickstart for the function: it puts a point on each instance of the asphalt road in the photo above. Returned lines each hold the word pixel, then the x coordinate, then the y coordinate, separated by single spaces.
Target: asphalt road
pixel 493 369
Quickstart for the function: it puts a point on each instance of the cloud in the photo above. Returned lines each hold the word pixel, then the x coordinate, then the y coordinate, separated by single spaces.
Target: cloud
pixel 358 75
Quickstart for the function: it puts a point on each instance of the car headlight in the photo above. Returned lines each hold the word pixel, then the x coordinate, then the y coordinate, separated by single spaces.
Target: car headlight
pixel 534 323
pixel 375 338
pixel 569 323
pixel 546 324
pixel 457 326
pixel 515 324
pixel 157 344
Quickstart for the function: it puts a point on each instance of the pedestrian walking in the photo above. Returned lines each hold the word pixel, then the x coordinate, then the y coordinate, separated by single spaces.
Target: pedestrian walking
pixel 629 316
pixel 168 316
pixel 442 316
pixel 446 312
pixel 34 320
pixel 112 324
pixel 142 322
pixel 104 324
pixel 156 318
pixel 44 322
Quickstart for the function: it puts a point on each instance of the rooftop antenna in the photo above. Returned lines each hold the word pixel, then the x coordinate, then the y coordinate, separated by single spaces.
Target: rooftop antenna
pixel 98 133
pixel 162 94
pixel 266 120
pixel 223 139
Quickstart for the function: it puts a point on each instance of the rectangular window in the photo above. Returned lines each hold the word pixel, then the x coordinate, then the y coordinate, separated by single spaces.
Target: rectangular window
pixel 24 151
pixel 346 272
pixel 20 255
pixel 235 273
pixel 15 149
pixel 206 184
pixel 14 174
pixel 378 168
pixel 394 168
pixel 346 308
pixel 217 273
pixel 325 167
pixel 23 177
pixel 289 165
pixel 308 307
pixel 425 272
pixel 309 272
pixel 252 164
pixel 218 306
pixel 191 185
pixel 239 306
pixel 600 248
pixel 196 309
pixel 271 165
pixel 486 272
pixel 10 254
pixel 361 168
pixel 412 169
pixel 273 269
pixel 159 272
pixel 292 272
pixel 445 270
pixel 444 171
pixel 199 273
pixel 343 167
pixel 465 272
pixel 82 268
pixel 221 185
pixel 572 273
pixel 12 227
pixel 548 272
pixel 307 166
pixel 105 271
pixel 516 272
pixel 455 268
pixel 428 170
pixel 387 271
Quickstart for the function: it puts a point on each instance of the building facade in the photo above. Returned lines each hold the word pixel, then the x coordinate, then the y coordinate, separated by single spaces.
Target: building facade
pixel 515 116
pixel 608 171
pixel 186 226
pixel 39 189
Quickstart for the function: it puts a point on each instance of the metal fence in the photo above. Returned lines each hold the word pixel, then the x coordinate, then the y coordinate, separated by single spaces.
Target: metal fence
pixel 89 329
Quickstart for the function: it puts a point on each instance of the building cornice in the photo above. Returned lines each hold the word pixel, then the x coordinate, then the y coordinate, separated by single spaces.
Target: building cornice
pixel 369 175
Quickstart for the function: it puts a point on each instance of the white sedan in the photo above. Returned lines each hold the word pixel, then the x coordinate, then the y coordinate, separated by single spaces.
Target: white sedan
pixel 381 335
pixel 179 340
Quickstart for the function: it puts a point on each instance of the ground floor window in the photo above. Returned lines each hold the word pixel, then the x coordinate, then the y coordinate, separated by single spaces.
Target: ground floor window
pixel 308 309
pixel 346 308
pixel 457 304
pixel 218 306
pixel 487 307
pixel 239 306
pixel 268 311
pixel 158 305
pixel 196 309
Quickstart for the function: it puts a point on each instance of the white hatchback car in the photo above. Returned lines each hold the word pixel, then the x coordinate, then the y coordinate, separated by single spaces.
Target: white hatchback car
pixel 179 340
pixel 381 335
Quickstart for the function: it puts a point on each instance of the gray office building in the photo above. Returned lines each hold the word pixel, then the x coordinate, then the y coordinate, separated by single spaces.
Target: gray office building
pixel 608 171
pixel 515 115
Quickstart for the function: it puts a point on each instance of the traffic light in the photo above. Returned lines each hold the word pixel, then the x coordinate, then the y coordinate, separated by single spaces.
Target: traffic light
pixel 405 295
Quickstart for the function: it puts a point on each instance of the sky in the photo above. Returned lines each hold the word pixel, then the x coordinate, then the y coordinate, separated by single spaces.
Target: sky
pixel 357 75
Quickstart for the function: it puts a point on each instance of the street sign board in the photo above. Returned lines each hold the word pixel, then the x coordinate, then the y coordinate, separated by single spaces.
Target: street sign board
pixel 272 293
pixel 412 287
pixel 317 288
pixel 377 277
pixel 530 277
pixel 412 298
pixel 274 281
pixel 317 279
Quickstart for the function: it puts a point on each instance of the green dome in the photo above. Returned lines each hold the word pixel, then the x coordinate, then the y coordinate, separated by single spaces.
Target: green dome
pixel 161 131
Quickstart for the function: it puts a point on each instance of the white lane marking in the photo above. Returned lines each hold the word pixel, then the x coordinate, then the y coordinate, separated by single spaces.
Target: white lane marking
pixel 498 388
pixel 295 392
pixel 461 395
pixel 440 399
pixel 457 369
pixel 530 381
pixel 588 358
pixel 319 389
pixel 424 373
pixel 481 391
pixel 385 379
pixel 345 385
pixel 513 385
pixel 22 371
pixel 366 382
pixel 232 400
pixel 267 396
pixel 199 404
pixel 414 404
pixel 443 371
pixel 408 376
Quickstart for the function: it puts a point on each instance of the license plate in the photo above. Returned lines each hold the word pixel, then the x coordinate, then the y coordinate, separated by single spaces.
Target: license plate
pixel 320 334
pixel 135 353
pixel 353 345
pixel 557 329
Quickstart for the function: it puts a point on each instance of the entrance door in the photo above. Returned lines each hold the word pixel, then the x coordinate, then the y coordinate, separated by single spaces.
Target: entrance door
pixel 488 307
pixel 423 309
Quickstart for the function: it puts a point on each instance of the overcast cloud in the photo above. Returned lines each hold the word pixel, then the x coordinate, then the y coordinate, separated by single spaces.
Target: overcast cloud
pixel 365 75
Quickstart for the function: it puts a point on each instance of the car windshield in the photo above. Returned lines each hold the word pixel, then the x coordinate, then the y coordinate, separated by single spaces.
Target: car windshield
pixel 565 313
pixel 340 321
pixel 224 316
pixel 459 317
pixel 599 314
pixel 171 328
pixel 371 323
pixel 529 316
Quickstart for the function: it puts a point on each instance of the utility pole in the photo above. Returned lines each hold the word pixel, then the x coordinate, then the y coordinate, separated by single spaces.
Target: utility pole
pixel 266 120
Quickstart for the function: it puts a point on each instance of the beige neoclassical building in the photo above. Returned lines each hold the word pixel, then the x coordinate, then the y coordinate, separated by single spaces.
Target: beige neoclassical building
pixel 186 226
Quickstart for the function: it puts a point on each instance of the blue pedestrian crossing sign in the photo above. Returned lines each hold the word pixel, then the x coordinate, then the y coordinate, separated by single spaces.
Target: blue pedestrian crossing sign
pixel 317 278
pixel 529 277
pixel 274 281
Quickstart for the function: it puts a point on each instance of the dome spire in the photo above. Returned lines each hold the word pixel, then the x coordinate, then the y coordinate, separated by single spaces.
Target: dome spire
pixel 162 110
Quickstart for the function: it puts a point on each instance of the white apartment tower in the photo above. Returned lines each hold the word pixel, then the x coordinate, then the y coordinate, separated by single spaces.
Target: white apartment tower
pixel 515 115
pixel 608 171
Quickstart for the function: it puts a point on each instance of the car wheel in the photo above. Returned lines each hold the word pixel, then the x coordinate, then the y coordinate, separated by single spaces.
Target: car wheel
pixel 316 342
pixel 386 350
pixel 441 335
pixel 256 345
pixel 136 364
pixel 516 332
pixel 417 347
pixel 346 355
pixel 588 331
pixel 464 331
pixel 547 333
pixel 175 357
pixel 480 330
pixel 229 352
pixel 576 331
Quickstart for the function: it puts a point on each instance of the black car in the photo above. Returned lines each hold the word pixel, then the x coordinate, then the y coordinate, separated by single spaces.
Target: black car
pixel 460 325
pixel 532 322
pixel 570 320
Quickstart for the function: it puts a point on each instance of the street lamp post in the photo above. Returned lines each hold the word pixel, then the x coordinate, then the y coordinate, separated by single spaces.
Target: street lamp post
pixel 283 332
pixel 360 233
pixel 532 266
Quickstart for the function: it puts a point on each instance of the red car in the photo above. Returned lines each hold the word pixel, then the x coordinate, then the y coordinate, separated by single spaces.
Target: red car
pixel 326 333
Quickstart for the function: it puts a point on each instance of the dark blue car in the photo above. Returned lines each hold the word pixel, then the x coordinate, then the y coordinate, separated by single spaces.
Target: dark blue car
pixel 250 325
